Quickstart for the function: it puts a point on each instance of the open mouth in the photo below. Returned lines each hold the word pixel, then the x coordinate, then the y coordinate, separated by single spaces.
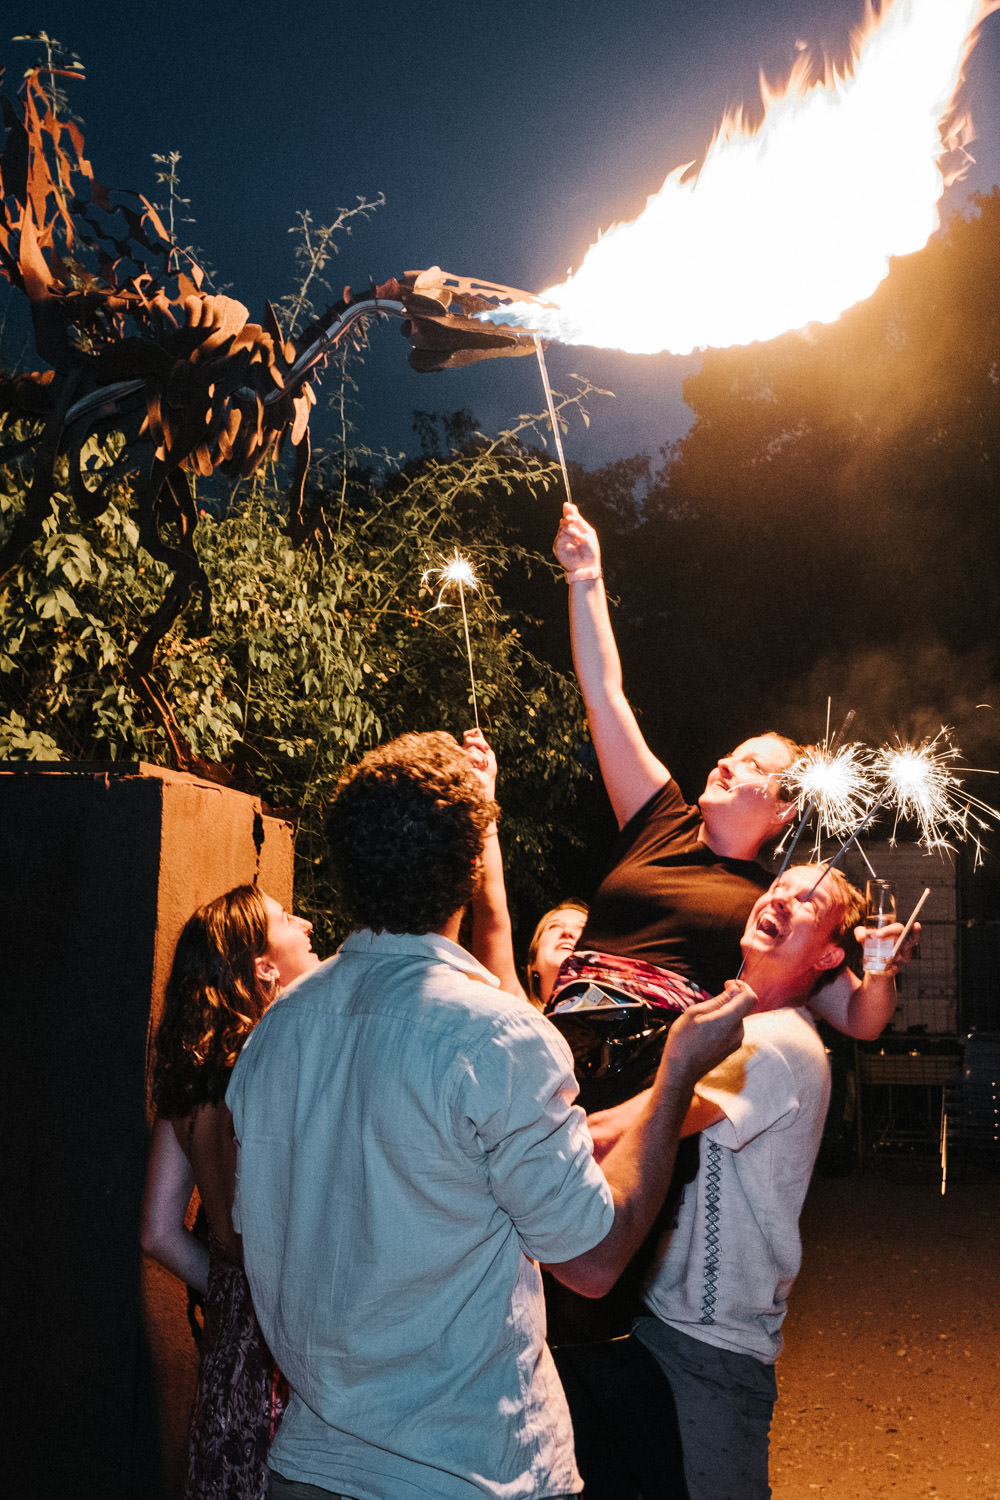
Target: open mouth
pixel 770 926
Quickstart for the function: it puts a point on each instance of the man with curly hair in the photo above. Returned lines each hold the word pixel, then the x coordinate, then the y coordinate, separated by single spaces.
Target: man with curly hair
pixel 410 1149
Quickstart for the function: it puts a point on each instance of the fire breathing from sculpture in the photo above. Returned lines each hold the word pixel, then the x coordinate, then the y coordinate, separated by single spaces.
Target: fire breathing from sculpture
pixel 792 221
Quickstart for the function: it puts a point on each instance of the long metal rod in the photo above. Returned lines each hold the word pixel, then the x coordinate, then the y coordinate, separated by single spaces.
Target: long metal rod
pixel 552 415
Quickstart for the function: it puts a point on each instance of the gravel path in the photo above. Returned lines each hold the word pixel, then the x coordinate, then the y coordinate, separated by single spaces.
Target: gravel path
pixel 890 1379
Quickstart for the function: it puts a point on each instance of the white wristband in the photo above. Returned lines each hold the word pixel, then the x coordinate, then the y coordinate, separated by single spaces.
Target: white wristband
pixel 588 574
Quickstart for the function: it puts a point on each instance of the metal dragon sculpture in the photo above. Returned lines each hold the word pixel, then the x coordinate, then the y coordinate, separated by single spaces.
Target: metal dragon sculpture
pixel 141 349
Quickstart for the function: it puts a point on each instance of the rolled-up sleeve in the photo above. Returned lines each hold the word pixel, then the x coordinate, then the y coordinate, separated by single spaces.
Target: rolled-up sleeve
pixel 518 1092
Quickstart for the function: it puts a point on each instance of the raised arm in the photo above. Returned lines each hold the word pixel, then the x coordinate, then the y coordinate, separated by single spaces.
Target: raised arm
pixel 169 1185
pixel 492 941
pixel 630 770
pixel 639 1167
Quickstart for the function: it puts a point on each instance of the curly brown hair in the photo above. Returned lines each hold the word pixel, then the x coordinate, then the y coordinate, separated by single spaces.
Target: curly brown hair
pixel 213 1001
pixel 405 833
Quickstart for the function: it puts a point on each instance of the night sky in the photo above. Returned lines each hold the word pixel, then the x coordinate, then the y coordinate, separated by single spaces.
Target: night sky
pixel 503 138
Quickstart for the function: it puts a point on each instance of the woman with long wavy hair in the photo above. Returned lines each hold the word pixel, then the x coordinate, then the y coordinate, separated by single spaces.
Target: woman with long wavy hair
pixel 233 957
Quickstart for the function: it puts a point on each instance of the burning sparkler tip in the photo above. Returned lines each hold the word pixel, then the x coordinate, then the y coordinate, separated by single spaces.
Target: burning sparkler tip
pixel 458 571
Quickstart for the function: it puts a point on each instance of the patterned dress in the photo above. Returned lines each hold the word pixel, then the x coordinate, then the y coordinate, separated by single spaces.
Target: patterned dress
pixel 240 1396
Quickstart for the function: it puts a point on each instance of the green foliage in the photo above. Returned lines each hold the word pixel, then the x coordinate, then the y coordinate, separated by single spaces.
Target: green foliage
pixel 315 246
pixel 50 53
pixel 311 656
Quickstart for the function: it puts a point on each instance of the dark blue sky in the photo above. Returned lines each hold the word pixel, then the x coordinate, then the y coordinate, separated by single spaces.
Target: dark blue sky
pixel 503 137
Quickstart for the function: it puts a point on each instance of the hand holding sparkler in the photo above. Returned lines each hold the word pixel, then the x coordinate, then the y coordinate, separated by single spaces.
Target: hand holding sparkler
pixel 482 759
pixel 904 942
pixel 491 939
pixel 576 546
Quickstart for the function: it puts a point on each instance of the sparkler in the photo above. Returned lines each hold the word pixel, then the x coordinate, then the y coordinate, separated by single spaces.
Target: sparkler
pixel 914 914
pixel 920 781
pixel 834 783
pixel 460 573
pixel 838 783
pixel 832 864
pixel 552 415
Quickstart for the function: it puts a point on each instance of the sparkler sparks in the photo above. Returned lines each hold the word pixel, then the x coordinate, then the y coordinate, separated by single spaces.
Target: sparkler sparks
pixel 919 782
pixel 458 573
pixel 837 784
pixel 922 786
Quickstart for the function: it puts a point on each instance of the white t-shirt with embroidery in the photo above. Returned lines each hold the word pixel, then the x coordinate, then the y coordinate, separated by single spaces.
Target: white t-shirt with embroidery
pixel 723 1272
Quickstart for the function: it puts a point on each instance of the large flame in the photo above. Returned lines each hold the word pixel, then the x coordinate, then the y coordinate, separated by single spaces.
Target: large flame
pixel 794 221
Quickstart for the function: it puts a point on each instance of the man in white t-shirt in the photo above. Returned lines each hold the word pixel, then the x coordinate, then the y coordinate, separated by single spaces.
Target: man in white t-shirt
pixel 717 1295
pixel 409 1148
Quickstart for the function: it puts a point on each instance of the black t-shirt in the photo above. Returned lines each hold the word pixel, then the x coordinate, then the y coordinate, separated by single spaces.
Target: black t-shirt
pixel 669 899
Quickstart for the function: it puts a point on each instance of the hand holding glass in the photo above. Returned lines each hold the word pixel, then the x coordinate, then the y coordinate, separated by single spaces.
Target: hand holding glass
pixel 880 910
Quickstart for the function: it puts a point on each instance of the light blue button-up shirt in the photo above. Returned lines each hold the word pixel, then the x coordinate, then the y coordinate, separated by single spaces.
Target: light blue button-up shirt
pixel 408 1147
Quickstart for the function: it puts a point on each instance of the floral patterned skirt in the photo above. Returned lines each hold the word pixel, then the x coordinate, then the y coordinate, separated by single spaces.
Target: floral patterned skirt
pixel 240 1396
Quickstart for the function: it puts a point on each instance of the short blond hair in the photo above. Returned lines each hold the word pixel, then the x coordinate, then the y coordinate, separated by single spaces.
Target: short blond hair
pixel 846 910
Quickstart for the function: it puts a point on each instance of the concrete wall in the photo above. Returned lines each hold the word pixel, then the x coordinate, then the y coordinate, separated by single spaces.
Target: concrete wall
pixel 99 869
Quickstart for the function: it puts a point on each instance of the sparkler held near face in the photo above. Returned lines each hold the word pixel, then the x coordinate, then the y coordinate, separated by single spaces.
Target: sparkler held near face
pixel 838 784
pixel 920 784
pixel 827 780
pixel 458 573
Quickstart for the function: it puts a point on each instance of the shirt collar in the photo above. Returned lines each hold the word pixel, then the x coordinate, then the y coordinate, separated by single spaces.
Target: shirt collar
pixel 365 943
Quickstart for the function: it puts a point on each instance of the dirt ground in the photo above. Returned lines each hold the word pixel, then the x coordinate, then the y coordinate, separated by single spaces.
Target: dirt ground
pixel 888 1384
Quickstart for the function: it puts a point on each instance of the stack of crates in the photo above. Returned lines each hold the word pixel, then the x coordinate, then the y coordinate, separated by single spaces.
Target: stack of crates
pixel 971 1110
pixel 927 988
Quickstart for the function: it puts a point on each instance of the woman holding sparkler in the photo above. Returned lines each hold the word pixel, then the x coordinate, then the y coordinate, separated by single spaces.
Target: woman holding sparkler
pixel 232 958
pixel 682 879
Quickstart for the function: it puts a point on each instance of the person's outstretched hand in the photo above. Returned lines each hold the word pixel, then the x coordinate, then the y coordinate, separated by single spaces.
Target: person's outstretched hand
pixel 482 760
pixel 576 545
pixel 708 1031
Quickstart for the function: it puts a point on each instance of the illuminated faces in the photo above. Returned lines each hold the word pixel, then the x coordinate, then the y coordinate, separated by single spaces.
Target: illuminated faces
pixel 744 789
pixel 289 946
pixel 786 942
pixel 558 936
